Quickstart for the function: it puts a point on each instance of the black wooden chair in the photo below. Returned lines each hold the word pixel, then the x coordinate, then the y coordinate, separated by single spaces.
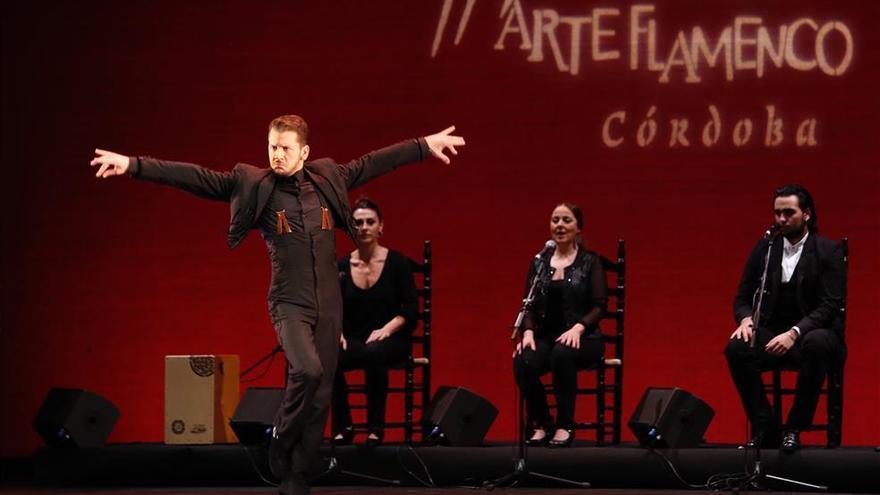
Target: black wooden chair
pixel 833 389
pixel 608 391
pixel 416 388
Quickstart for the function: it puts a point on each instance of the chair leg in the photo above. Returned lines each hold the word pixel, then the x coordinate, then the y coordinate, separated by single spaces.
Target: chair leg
pixel 834 404
pixel 408 403
pixel 618 404
pixel 777 396
pixel 833 392
pixel 600 405
pixel 426 397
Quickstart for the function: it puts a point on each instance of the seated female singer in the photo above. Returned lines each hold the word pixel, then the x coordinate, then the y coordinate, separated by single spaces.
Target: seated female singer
pixel 561 329
pixel 380 308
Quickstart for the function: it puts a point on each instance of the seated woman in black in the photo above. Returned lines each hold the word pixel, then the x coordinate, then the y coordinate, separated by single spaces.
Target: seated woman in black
pixel 380 307
pixel 561 330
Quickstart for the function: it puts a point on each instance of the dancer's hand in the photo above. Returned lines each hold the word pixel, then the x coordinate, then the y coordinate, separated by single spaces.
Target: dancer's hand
pixel 439 142
pixel 343 343
pixel 111 163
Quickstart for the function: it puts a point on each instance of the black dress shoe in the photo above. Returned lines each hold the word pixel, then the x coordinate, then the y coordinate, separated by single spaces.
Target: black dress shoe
pixel 557 444
pixel 765 440
pixel 344 437
pixel 755 443
pixel 791 441
pixel 279 459
pixel 294 484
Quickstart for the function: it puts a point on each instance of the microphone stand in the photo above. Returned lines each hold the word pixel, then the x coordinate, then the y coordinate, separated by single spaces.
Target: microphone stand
pixel 520 471
pixel 756 312
pixel 335 467
pixel 758 473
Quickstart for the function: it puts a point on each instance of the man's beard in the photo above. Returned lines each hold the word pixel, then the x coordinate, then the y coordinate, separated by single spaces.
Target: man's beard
pixel 795 233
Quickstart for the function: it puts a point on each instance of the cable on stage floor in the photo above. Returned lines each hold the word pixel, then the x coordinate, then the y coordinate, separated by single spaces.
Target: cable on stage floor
pixel 257 470
pixel 716 482
pixel 408 448
pixel 266 369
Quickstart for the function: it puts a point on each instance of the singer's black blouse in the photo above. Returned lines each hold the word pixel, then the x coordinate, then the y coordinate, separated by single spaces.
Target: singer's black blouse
pixel 582 292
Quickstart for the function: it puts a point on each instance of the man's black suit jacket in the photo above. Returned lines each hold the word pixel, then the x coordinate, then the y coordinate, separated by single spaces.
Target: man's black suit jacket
pixel 247 188
pixel 820 284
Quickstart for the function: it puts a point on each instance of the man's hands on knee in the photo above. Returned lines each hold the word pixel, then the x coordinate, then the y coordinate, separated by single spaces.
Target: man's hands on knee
pixel 745 331
pixel 781 344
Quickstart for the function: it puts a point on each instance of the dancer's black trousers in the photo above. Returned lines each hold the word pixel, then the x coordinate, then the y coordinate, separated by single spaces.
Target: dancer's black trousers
pixel 310 341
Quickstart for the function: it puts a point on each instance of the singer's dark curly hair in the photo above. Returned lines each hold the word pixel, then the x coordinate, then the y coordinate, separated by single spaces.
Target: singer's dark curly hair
pixel 805 202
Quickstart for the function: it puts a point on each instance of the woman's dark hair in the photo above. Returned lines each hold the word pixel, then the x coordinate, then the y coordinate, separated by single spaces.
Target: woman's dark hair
pixel 368 204
pixel 578 214
pixel 805 202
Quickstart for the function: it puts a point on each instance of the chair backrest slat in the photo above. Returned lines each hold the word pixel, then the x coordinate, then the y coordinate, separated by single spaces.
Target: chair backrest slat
pixel 616 271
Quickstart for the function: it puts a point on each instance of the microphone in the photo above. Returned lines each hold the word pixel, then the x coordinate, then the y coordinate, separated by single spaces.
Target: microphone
pixel 772 231
pixel 549 249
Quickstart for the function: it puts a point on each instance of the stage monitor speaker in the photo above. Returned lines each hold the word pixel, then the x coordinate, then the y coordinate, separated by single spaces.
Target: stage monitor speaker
pixel 670 418
pixel 255 414
pixel 462 416
pixel 74 417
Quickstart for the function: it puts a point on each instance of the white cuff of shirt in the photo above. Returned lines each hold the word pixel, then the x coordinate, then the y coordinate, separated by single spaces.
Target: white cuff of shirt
pixel 798 330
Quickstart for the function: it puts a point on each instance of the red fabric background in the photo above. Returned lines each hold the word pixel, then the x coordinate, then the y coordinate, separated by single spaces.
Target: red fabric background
pixel 101 279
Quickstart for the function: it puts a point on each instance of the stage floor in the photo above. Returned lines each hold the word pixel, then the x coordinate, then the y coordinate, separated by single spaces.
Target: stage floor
pixel 344 490
pixel 236 469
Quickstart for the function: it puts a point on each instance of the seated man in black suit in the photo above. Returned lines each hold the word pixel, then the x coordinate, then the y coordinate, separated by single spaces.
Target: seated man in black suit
pixel 800 321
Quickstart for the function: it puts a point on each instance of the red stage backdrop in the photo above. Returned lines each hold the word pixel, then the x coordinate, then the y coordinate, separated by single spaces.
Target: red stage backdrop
pixel 669 122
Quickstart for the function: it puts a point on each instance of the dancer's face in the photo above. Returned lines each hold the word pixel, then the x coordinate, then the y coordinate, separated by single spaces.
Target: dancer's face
pixel 286 153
